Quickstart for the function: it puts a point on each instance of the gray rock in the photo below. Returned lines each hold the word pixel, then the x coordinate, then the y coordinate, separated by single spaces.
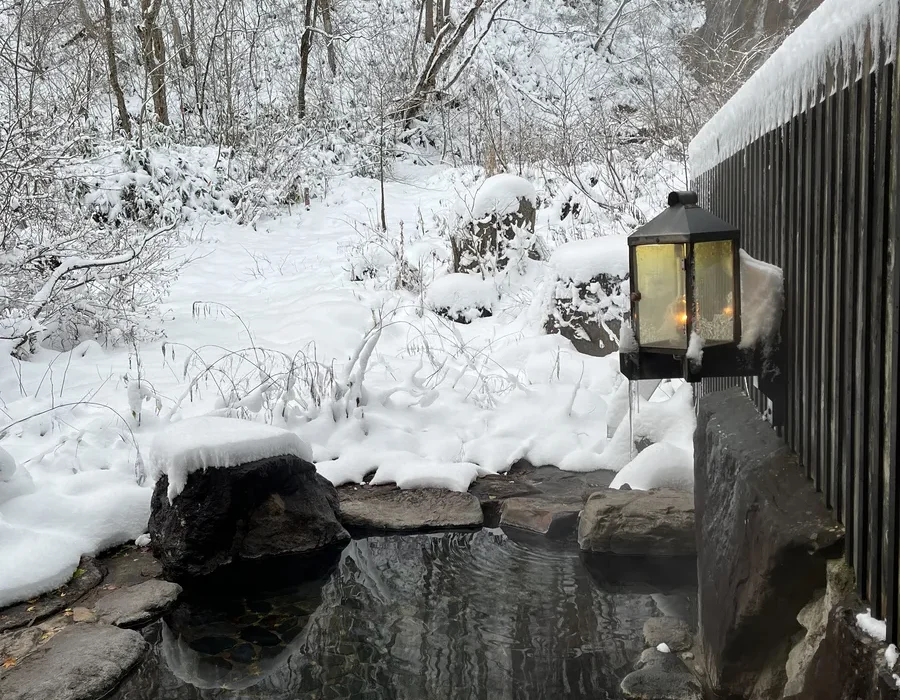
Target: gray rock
pixel 651 523
pixel 660 661
pixel 541 515
pixel 390 508
pixel 82 662
pixel 595 331
pixel 656 684
pixel 765 538
pixel 18 644
pixel 255 511
pixel 137 605
pixel 674 632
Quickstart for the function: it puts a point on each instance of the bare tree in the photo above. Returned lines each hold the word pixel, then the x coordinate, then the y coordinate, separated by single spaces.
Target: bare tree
pixel 309 23
pixel 428 32
pixel 328 28
pixel 115 86
pixel 153 49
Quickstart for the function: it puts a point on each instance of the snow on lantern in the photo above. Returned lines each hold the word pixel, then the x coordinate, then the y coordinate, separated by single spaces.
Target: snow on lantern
pixel 685 300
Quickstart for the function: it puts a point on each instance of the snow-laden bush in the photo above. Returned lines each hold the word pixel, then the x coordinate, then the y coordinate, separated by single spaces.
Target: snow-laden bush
pixel 588 293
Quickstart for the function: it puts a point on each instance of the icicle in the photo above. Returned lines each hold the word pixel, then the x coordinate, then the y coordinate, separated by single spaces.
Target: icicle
pixel 631 409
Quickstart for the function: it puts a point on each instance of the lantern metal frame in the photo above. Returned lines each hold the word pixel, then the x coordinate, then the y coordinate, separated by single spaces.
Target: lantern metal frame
pixel 685 222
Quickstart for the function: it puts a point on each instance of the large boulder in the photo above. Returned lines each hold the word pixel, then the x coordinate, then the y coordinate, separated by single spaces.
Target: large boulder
pixel 764 540
pixel 659 522
pixel 82 662
pixel 265 508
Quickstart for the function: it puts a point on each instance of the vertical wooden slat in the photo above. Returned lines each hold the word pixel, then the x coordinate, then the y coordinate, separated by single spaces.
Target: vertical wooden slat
pixel 863 250
pixel 838 360
pixel 892 545
pixel 876 309
pixel 823 296
pixel 848 313
pixel 806 324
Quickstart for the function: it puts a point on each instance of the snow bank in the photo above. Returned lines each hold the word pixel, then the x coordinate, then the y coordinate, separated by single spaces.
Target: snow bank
pixel 660 465
pixel 500 195
pixel 877 629
pixel 789 81
pixel 7 465
pixel 762 301
pixel 205 442
pixel 462 295
pixel 582 261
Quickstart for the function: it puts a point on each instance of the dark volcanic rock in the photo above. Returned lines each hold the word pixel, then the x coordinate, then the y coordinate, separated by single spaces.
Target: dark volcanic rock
pixel 764 537
pixel 545 516
pixel 82 662
pixel 661 676
pixel 672 631
pixel 255 511
pixel 659 522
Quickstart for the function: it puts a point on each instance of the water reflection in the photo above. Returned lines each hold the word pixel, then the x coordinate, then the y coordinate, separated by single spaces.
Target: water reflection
pixel 456 615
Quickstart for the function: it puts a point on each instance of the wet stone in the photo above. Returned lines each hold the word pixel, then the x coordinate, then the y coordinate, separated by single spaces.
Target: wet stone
pixel 212 645
pixel 243 653
pixel 261 636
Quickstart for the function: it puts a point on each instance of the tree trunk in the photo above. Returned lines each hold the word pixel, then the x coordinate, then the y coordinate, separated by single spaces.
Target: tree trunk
pixel 85 18
pixel 305 46
pixel 438 15
pixel 447 10
pixel 328 28
pixel 183 56
pixel 124 119
pixel 428 34
pixel 154 50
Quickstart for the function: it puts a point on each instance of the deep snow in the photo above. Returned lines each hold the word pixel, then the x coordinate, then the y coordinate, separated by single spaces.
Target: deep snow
pixel 256 325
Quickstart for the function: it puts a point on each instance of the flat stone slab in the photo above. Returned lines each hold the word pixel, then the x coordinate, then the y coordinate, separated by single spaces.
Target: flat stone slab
pixel 88 575
pixel 82 662
pixel 137 605
pixel 672 631
pixel 389 508
pixel 541 515
pixel 661 676
pixel 659 522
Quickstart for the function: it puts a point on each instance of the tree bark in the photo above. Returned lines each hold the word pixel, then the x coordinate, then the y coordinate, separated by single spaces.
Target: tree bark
pixel 328 28
pixel 438 15
pixel 305 46
pixel 114 84
pixel 83 14
pixel 154 50
pixel 183 56
pixel 428 33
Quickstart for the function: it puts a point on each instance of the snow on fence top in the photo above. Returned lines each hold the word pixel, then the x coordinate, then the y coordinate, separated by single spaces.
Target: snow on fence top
pixel 837 32
pixel 208 441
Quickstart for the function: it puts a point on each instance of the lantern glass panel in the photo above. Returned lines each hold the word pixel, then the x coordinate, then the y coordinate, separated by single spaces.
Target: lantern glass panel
pixel 714 291
pixel 661 311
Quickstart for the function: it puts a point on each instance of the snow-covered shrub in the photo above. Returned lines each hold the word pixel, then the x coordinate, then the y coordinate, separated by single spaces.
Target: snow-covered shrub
pixel 589 293
pixel 462 297
pixel 499 227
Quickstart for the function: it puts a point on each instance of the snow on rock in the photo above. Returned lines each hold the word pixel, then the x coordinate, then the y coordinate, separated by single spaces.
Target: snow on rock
pixel 582 261
pixel 663 648
pixel 790 80
pixel 142 540
pixel 501 195
pixel 207 441
pixel 671 422
pixel 877 629
pixel 461 295
pixel 658 466
pixel 762 301
pixel 7 465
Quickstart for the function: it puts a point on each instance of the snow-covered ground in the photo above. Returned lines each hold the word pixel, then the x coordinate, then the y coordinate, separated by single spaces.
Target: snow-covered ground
pixel 265 324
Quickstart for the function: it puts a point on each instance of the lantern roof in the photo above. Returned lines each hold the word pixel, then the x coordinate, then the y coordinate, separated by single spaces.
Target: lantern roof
pixel 684 221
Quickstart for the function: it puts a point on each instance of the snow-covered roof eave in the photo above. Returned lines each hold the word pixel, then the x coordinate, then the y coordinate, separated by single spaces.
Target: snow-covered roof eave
pixel 788 82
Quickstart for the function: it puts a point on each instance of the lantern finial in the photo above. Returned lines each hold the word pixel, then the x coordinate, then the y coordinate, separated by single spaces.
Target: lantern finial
pixel 683 198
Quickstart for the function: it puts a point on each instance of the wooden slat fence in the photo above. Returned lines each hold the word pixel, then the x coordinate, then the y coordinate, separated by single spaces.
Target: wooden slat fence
pixel 820 197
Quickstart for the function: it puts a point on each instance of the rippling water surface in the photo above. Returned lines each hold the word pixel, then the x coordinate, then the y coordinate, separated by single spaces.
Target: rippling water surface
pixel 414 617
